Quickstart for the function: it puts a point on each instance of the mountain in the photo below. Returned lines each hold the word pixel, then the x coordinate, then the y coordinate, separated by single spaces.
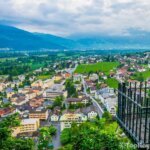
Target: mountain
pixel 17 39
pixel 67 43
pixel 134 40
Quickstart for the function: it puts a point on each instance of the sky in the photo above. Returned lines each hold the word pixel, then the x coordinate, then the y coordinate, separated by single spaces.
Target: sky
pixel 71 17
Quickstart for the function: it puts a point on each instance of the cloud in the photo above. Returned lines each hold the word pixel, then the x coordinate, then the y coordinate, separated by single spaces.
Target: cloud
pixel 67 17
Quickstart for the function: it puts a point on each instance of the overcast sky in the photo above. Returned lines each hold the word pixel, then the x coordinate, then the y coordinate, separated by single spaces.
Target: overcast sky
pixel 67 17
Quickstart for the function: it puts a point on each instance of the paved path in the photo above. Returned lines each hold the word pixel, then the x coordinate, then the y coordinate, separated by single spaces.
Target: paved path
pixel 56 138
pixel 95 103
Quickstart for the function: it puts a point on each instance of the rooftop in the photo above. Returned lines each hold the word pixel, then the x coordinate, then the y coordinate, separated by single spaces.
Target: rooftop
pixel 29 121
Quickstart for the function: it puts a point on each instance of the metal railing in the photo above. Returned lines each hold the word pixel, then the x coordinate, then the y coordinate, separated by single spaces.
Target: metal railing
pixel 133 112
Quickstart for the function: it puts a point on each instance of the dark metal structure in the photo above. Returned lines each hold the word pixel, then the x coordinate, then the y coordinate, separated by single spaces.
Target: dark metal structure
pixel 133 112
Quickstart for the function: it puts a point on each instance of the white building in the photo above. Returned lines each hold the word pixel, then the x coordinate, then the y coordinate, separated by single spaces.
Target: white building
pixel 54 117
pixel 27 125
pixel 76 77
pixel 68 118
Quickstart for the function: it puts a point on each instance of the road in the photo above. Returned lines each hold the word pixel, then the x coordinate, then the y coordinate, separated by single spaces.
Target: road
pixel 56 138
pixel 95 103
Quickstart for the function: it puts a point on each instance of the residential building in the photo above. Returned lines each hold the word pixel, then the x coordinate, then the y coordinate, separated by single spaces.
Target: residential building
pixel 9 92
pixel 4 112
pixel 19 99
pixel 54 91
pixel 48 83
pixel 76 77
pixel 54 117
pixel 73 101
pixel 68 118
pixel 39 113
pixel 93 77
pixel 27 125
pixel 89 111
pixel 38 83
pixel 36 102
pixel 58 77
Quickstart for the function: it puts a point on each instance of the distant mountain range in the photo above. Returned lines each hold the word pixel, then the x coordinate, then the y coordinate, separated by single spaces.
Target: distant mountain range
pixel 17 39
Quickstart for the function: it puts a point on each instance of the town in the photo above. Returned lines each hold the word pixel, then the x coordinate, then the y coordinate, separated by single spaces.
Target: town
pixel 49 100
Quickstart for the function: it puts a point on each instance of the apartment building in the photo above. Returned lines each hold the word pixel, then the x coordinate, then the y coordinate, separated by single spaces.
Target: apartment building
pixel 27 125
pixel 41 114
pixel 73 101
pixel 36 102
pixel 68 118
pixel 54 91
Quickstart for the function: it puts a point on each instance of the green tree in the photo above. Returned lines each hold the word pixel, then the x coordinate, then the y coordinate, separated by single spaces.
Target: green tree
pixel 65 136
pixel 45 137
pixel 58 101
pixel 10 78
pixel 71 88
pixel 95 135
pixel 52 130
pixel 7 142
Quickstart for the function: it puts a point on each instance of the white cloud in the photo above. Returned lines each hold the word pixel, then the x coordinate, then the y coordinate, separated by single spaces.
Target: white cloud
pixel 65 17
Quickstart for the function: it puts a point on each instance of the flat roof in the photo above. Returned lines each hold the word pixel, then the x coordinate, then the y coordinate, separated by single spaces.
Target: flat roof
pixel 29 121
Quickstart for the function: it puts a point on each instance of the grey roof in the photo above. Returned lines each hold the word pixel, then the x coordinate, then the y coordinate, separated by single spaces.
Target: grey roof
pixel 86 110
pixel 5 100
pixel 9 90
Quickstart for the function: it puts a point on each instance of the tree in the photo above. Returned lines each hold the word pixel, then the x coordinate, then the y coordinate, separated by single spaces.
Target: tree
pixel 52 130
pixel 10 78
pixel 65 136
pixel 107 116
pixel 58 101
pixel 71 88
pixel 45 137
pixel 7 141
pixel 140 78
pixel 95 135
pixel 67 147
pixel 15 88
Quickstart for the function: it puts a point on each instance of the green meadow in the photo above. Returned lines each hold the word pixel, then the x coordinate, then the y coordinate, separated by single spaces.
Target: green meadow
pixel 105 67
pixel 111 82
pixel 141 75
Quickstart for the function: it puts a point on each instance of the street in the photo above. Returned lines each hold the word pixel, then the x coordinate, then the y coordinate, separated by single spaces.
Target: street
pixel 56 138
pixel 95 103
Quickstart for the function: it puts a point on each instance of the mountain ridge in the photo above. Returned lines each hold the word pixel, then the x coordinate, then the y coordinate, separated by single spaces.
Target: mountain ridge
pixel 18 39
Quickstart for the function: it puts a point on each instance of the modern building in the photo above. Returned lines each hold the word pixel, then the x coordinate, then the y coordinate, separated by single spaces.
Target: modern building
pixel 4 112
pixel 90 111
pixel 36 102
pixel 41 114
pixel 54 91
pixel 74 101
pixel 68 118
pixel 54 117
pixel 27 125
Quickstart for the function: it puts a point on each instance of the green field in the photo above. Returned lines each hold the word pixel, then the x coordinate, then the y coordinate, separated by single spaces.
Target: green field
pixel 44 77
pixel 61 55
pixel 5 59
pixel 35 66
pixel 145 75
pixel 105 67
pixel 111 82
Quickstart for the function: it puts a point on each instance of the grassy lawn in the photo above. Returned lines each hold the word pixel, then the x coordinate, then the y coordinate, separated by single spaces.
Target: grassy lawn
pixel 4 59
pixel 111 82
pixel 36 66
pixel 145 75
pixel 43 77
pixel 61 55
pixel 101 66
